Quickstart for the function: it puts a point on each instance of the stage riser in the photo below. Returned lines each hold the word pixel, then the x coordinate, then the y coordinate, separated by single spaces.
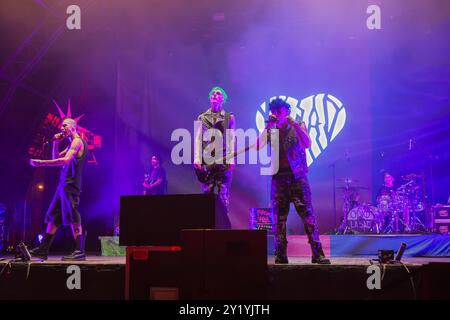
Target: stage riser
pixel 49 282
pixel 349 282
pixel 426 245
pixel 337 282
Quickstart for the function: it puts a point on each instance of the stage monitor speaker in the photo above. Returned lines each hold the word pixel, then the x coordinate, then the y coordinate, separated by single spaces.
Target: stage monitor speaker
pixel 434 281
pixel 224 264
pixel 158 220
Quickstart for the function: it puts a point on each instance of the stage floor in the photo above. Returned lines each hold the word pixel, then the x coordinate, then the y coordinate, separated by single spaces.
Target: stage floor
pixel 344 261
pixel 426 276
pixel 104 278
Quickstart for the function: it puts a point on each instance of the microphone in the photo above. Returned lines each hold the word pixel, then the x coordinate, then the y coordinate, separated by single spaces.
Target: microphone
pixel 58 136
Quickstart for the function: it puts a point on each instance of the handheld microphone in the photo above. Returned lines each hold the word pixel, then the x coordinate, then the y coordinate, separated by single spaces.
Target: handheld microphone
pixel 58 136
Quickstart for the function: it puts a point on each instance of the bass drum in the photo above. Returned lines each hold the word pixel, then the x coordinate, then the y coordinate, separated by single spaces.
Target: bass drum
pixel 365 219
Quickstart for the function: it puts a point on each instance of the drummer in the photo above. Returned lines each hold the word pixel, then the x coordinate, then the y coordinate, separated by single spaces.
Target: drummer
pixel 387 189
pixel 385 198
pixel 388 200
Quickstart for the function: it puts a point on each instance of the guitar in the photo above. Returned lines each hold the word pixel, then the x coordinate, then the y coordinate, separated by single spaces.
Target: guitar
pixel 146 181
pixel 207 171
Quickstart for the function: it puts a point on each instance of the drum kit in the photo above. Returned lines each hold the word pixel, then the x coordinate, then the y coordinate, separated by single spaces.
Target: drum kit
pixel 400 210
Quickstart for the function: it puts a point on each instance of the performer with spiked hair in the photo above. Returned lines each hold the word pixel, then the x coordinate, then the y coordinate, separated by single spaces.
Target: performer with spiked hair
pixel 63 209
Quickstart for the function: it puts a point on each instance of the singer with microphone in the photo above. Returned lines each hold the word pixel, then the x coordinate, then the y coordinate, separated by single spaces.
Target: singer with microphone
pixel 63 209
pixel 290 182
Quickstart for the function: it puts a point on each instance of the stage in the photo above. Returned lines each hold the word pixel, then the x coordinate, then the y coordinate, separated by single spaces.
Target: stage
pixel 417 245
pixel 103 278
pixel 171 141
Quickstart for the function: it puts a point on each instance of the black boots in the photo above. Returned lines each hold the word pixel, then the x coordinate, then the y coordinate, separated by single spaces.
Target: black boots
pixel 280 252
pixel 316 247
pixel 280 259
pixel 79 253
pixel 317 253
pixel 42 251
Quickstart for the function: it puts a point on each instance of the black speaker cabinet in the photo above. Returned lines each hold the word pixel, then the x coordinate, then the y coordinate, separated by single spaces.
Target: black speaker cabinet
pixel 152 273
pixel 224 264
pixel 158 220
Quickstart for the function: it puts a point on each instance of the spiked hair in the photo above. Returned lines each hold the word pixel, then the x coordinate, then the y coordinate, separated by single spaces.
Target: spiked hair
pixel 68 114
pixel 277 104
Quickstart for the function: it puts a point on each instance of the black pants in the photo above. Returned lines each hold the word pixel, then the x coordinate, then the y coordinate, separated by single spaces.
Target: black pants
pixel 284 190
pixel 64 208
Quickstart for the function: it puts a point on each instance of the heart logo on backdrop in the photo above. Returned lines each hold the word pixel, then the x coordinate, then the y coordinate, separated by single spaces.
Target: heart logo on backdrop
pixel 323 114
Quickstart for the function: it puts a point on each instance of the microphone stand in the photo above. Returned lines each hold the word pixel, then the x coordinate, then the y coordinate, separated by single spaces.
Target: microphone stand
pixel 333 170
pixel 428 202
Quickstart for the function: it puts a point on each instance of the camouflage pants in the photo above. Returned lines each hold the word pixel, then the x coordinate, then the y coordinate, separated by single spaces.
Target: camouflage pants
pixel 223 183
pixel 284 190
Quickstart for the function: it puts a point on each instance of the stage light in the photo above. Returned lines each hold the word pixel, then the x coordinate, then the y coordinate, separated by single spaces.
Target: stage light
pixel 40 186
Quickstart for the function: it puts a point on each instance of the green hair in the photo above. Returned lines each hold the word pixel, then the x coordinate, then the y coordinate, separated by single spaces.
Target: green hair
pixel 225 96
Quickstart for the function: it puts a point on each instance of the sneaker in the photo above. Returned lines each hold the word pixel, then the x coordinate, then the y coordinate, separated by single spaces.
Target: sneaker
pixel 77 255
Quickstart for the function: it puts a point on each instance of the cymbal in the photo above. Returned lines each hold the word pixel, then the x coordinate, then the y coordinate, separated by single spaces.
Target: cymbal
pixel 412 176
pixel 352 188
pixel 408 188
pixel 347 180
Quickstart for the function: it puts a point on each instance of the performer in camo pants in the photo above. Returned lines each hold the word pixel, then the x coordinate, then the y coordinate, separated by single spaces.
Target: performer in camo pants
pixel 290 183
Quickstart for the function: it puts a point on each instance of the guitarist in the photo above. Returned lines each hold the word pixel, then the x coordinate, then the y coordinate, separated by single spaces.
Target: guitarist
pixel 156 182
pixel 216 175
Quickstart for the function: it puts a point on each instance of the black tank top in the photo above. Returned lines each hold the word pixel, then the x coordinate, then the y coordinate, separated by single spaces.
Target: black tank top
pixel 70 178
